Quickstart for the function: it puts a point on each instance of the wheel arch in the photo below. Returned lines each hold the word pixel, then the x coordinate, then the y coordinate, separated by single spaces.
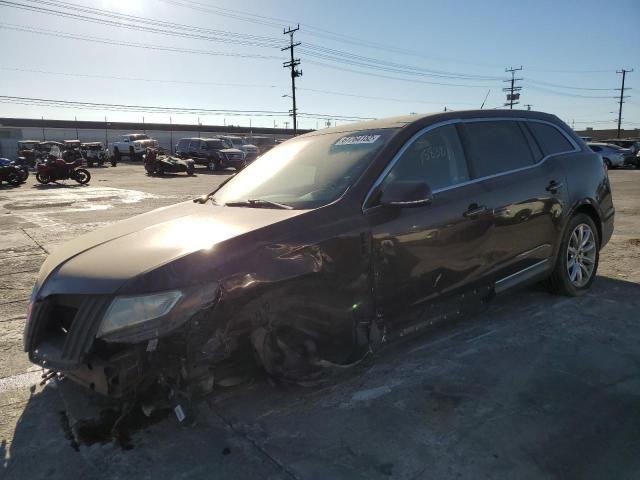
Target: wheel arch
pixel 588 207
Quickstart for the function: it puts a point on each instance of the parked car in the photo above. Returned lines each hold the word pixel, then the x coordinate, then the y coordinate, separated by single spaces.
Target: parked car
pixel 613 155
pixel 632 144
pixel 323 249
pixel 214 153
pixel 11 173
pixel 26 149
pixel 132 145
pixel 95 153
pixel 264 144
pixel 251 151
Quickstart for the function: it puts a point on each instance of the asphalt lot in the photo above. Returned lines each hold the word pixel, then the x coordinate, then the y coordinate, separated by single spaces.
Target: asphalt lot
pixel 537 386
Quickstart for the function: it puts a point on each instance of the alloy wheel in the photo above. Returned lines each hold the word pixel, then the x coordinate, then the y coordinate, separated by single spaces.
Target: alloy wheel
pixel 581 255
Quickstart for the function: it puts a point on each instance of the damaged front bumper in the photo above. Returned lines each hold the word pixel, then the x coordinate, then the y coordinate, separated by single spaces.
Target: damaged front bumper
pixel 63 334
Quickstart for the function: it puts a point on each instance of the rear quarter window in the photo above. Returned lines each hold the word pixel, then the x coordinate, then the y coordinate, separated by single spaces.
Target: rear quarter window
pixel 550 138
pixel 495 147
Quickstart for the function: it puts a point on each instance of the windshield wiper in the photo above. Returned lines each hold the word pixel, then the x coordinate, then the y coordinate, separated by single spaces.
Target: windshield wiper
pixel 259 204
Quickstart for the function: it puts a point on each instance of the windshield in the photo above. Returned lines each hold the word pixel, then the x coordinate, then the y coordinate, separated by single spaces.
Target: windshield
pixel 307 172
pixel 139 137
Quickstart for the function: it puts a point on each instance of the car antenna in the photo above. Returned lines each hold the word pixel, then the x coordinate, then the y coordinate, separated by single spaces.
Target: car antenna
pixel 485 99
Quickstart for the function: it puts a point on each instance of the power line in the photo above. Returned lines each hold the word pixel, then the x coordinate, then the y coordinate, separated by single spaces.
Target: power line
pixel 156 109
pixel 108 41
pixel 139 79
pixel 570 87
pixel 187 31
pixel 241 85
pixel 622 97
pixel 514 92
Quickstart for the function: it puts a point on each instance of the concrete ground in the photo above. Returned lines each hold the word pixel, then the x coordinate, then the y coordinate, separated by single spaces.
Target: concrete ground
pixel 537 386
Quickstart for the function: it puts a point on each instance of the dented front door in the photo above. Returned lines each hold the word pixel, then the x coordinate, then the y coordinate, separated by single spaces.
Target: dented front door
pixel 420 254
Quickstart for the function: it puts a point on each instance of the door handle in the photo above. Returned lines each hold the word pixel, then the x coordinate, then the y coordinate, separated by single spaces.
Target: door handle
pixel 474 210
pixel 554 186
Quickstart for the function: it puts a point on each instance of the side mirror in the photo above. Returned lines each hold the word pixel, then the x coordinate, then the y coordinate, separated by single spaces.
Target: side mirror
pixel 406 193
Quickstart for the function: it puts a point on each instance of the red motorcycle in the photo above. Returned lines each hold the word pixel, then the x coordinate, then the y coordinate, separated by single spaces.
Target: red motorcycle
pixel 54 169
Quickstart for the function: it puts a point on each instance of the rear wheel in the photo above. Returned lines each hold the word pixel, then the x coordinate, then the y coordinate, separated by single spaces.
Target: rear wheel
pixel 190 169
pixel 81 176
pixel 577 261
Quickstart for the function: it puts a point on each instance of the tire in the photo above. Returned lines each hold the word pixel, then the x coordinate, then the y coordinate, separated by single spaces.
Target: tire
pixel 81 176
pixel 159 170
pixel 577 262
pixel 114 163
pixel 241 167
pixel 116 154
pixel 24 175
pixel 14 178
pixel 43 178
pixel 190 170
pixel 132 154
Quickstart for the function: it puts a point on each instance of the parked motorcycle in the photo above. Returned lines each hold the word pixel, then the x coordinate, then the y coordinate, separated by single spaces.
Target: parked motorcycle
pixel 11 173
pixel 22 164
pixel 54 169
pixel 156 163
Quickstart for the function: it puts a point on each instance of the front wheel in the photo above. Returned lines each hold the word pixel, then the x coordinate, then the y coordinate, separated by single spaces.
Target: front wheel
pixel 190 170
pixel 81 176
pixel 14 178
pixel 43 178
pixel 578 257
pixel 24 175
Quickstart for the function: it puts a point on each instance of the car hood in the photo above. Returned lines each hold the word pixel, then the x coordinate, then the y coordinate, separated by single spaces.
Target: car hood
pixel 102 261
pixel 231 150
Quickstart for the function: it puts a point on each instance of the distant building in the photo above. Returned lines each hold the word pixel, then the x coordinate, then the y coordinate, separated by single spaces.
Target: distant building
pixel 597 135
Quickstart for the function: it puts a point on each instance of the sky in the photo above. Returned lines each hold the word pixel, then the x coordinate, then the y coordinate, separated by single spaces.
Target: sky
pixel 215 60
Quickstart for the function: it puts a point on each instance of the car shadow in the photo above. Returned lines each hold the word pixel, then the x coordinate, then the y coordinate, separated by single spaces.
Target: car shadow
pixel 42 447
pixel 225 172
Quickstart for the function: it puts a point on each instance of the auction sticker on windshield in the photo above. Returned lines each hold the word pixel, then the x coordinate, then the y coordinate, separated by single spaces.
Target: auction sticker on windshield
pixel 358 140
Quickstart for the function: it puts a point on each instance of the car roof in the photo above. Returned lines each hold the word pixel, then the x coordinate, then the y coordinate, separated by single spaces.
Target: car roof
pixel 407 121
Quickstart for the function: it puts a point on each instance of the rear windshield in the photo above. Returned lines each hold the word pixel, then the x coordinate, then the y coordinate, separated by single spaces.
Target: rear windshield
pixel 306 172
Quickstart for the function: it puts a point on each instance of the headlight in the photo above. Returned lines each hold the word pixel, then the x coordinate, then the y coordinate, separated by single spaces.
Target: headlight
pixel 134 318
pixel 129 311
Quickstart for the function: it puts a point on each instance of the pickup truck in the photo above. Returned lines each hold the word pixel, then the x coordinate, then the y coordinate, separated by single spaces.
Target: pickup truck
pixel 132 145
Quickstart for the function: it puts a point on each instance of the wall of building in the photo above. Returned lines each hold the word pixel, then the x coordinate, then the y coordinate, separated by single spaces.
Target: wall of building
pixel 13 130
pixel 610 133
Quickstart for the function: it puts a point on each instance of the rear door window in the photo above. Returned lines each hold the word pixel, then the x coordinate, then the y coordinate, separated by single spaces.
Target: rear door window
pixel 496 146
pixel 183 145
pixel 436 157
pixel 549 138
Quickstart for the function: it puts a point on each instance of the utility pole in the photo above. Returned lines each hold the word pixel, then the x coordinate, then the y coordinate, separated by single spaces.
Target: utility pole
pixel 513 96
pixel 106 132
pixel 170 134
pixel 144 127
pixel 622 97
pixel 295 73
pixel 76 123
pixel 44 137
